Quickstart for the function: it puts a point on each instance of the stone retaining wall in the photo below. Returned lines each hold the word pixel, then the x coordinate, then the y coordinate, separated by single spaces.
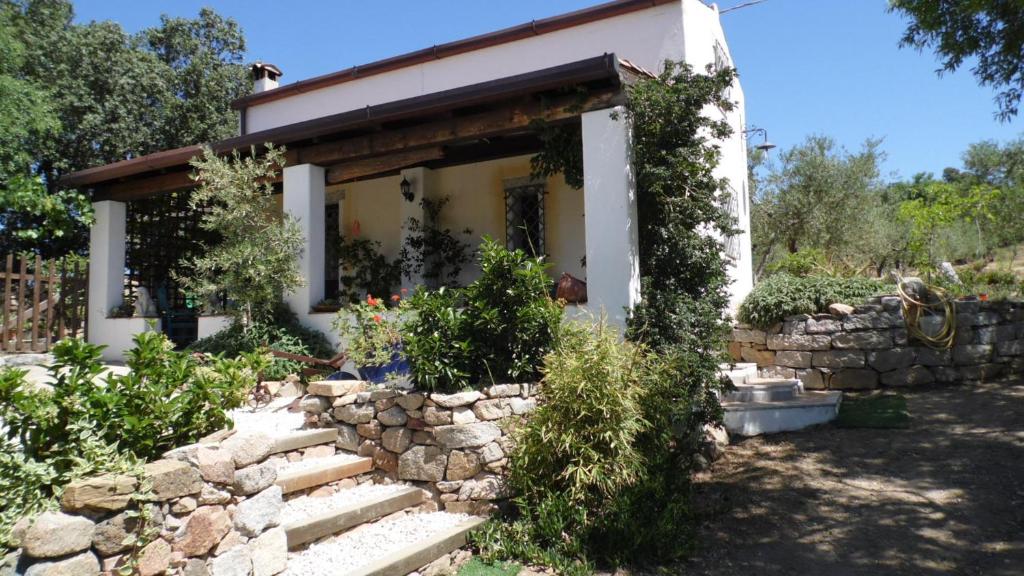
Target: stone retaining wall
pixel 452 445
pixel 214 511
pixel 867 346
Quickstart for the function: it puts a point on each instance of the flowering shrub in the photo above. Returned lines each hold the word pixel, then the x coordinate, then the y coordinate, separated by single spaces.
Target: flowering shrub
pixel 371 330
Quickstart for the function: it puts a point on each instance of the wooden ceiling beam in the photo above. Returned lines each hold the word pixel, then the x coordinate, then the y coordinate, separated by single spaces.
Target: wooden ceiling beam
pixel 356 169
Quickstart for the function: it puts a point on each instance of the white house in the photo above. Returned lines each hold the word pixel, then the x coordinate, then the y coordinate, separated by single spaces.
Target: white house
pixel 452 120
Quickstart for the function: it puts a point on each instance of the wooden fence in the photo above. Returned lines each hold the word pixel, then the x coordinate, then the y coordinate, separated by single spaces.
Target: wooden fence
pixel 43 301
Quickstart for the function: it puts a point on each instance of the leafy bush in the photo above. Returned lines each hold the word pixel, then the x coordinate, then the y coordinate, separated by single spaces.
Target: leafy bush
pixel 434 340
pixel 782 295
pixel 368 271
pixel 801 263
pixel 280 331
pixel 370 331
pixel 601 468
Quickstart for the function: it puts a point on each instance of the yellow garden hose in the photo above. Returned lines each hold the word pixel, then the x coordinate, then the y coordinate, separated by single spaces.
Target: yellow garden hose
pixel 914 310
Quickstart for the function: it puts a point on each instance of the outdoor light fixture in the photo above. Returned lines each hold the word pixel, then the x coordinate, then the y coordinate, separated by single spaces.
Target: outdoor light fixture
pixel 407 190
pixel 763 146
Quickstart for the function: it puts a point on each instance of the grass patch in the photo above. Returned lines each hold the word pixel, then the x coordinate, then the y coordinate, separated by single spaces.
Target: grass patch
pixel 877 411
pixel 476 567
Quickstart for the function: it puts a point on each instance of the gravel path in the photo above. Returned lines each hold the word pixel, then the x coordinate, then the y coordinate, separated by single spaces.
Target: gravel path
pixel 273 419
pixel 306 506
pixel 369 543
pixel 943 497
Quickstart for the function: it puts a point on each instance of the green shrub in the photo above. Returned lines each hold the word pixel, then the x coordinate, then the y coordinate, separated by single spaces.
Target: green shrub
pixel 782 295
pixel 434 341
pixel 280 331
pixel 801 263
pixel 368 271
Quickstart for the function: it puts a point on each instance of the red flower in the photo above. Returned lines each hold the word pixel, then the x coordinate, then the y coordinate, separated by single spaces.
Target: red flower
pixel 395 297
pixel 377 318
pixel 369 299
pixel 405 291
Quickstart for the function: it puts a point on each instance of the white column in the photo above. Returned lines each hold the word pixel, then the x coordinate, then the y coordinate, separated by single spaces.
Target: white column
pixel 106 263
pixel 609 203
pixel 419 179
pixel 304 201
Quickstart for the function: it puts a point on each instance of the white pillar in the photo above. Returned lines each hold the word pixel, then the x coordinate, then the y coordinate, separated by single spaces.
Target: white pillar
pixel 304 201
pixel 106 262
pixel 609 203
pixel 419 180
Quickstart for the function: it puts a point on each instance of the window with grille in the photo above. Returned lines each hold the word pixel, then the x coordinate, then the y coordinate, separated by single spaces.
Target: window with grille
pixel 524 215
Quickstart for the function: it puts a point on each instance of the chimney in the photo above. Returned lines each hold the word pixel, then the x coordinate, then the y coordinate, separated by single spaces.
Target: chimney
pixel 264 77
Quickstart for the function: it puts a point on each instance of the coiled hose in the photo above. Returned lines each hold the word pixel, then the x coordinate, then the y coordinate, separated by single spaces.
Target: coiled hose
pixel 914 310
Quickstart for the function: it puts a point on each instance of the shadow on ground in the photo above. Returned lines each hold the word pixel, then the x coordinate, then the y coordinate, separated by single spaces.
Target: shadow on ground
pixel 945 496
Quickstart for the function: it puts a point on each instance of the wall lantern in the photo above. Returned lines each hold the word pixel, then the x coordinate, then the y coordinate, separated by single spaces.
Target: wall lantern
pixel 763 146
pixel 407 190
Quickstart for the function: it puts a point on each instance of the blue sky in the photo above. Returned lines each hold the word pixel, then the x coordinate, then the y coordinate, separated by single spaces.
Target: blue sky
pixel 807 66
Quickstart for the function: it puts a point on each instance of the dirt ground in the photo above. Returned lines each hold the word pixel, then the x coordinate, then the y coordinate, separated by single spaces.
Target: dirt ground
pixel 943 497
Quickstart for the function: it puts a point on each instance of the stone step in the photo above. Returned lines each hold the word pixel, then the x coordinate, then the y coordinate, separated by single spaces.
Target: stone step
pixel 766 390
pixel 303 439
pixel 739 373
pixel 807 409
pixel 379 503
pixel 391 547
pixel 320 471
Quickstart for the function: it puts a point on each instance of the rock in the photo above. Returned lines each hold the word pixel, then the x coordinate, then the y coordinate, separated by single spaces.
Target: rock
pixel 453 400
pixel 854 379
pixel 335 388
pixel 995 334
pixel 448 486
pixel 371 429
pixel 255 478
pixel 972 354
pixel 411 401
pixel 795 324
pixel 269 553
pixel 154 559
pixel 423 437
pixel 812 379
pixel 232 539
pixel 491 453
pixel 503 390
pixel 383 394
pixel 912 376
pixel 396 440
pixel 1010 348
pixel 467 435
pixel 945 374
pixel 489 488
pixel 761 357
pixel 793 359
pixel 202 531
pixel 386 461
pixel 210 495
pixel 871 321
pixel 716 440
pixel 840 310
pixel 838 359
pixel 522 406
pixel 54 534
pixel 110 535
pixel 463 415
pixel 440 567
pixel 315 404
pixel 348 438
pixel 345 400
pixel 216 465
pixel 355 413
pixel 320 451
pixel 748 335
pixel 893 359
pixel 235 562
pixel 823 326
pixel 184 505
pixel 982 373
pixel 108 493
pixel 172 479
pixel 462 465
pixel 426 463
pixel 394 416
pixel 900 337
pixel 799 342
pixel 437 417
pixel 863 340
pixel 368 448
pixel 933 357
pixel 248 448
pixel 488 410
pixel 195 567
pixel 259 512
pixel 84 564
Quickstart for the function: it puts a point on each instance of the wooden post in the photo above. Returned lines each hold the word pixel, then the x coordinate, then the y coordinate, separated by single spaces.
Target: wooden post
pixel 20 316
pixel 63 296
pixel 50 304
pixel 37 276
pixel 6 308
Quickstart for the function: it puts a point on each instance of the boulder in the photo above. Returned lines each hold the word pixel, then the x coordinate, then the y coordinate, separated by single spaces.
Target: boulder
pixel 491 453
pixel 335 388
pixel 253 479
pixel 355 413
pixel 154 559
pixel 110 535
pixel 453 400
pixel 411 401
pixel 862 340
pixel 467 435
pixel 248 448
pixel 799 342
pixel 53 534
pixel 84 564
pixel 912 376
pixel 394 416
pixel 933 357
pixel 315 404
pixel 234 562
pixel 426 463
pixel 259 512
pixel 396 439
pixel 371 429
pixel 385 461
pixel 462 465
pixel 838 359
pixel 107 493
pixel 269 553
pixel 522 406
pixel 348 438
pixel 216 465
pixel 437 417
pixel 463 415
pixel 854 379
pixel 840 310
pixel 489 409
pixel 748 335
pixel 487 488
pixel 172 479
pixel 793 359
pixel 972 354
pixel 503 390
pixel 892 359
pixel 823 326
pixel 210 495
pixel 203 530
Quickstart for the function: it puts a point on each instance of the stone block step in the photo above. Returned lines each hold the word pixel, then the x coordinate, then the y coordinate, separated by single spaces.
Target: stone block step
pixel 375 505
pixel 807 409
pixel 303 439
pixel 320 471
pixel 766 390
pixel 739 373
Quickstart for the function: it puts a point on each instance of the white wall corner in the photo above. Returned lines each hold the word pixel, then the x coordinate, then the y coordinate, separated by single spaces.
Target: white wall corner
pixel 610 206
pixel 106 263
pixel 304 197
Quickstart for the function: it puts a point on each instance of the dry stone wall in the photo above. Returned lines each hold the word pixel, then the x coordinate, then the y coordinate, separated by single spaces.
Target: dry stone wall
pixel 452 445
pixel 868 346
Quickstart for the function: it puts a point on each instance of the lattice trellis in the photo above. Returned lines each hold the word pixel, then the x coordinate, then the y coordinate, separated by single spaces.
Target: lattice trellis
pixel 524 216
